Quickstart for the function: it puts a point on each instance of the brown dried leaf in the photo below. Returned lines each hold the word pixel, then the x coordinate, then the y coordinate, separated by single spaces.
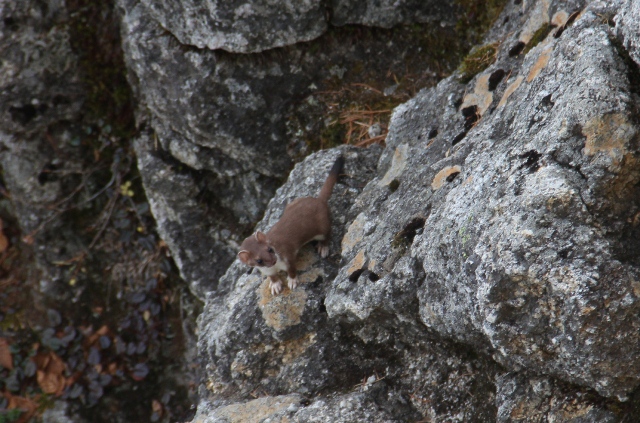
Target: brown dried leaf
pixel 6 360
pixel 156 407
pixel 92 339
pixel 51 383
pixel 27 405
pixel 50 373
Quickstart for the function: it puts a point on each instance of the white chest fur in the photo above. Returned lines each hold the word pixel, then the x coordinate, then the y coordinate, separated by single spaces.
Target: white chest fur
pixel 270 271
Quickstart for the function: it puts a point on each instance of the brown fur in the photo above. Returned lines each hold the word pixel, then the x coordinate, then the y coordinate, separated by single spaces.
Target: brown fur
pixel 304 220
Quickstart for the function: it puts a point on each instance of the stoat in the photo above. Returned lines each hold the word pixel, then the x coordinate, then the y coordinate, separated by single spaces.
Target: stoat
pixel 304 220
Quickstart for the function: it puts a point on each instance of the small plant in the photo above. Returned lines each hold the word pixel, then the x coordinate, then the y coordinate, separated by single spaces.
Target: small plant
pixel 540 34
pixel 10 416
pixel 478 60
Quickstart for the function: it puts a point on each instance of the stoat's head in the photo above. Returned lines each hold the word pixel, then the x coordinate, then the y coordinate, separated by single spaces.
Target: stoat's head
pixel 257 252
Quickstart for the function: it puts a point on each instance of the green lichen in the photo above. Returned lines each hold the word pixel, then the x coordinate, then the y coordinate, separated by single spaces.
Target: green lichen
pixel 10 416
pixel 478 60
pixel 540 34
pixel 332 136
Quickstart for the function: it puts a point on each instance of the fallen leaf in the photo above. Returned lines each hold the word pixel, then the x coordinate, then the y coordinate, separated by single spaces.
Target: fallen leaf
pixel 50 373
pixel 6 360
pixel 156 409
pixel 156 406
pixel 103 331
pixel 27 405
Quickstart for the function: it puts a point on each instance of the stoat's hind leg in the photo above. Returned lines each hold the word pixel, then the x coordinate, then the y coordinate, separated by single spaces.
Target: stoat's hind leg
pixel 292 282
pixel 323 249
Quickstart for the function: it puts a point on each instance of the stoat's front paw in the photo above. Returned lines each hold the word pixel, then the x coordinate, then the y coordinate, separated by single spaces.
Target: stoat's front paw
pixel 292 283
pixel 275 287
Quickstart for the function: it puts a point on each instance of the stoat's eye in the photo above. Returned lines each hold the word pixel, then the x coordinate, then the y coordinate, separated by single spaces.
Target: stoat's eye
pixel 270 250
pixel 259 261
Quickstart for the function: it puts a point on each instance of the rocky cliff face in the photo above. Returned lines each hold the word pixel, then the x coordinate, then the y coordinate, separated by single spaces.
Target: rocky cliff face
pixel 485 262
pixel 488 270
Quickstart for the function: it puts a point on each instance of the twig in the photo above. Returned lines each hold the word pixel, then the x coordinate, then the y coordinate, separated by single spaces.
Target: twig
pixel 369 87
pixel 112 205
pixel 371 140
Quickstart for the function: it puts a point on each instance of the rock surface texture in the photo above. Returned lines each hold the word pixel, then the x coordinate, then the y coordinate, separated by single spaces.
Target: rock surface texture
pixel 488 266
pixel 40 92
pixel 485 262
pixel 219 122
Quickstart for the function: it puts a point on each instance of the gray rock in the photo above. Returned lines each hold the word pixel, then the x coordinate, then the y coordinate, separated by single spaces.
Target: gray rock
pixel 527 398
pixel 228 127
pixel 240 26
pixel 388 13
pixel 497 232
pixel 40 92
pixel 627 21
pixel 198 239
pixel 258 25
pixel 60 413
pixel 287 336
pixel 516 212
pixel 258 410
pixel 488 264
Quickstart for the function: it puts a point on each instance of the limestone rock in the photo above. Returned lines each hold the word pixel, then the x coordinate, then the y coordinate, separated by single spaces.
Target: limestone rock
pixel 287 336
pixel 221 123
pixel 40 92
pixel 240 26
pixel 493 247
pixel 388 13
pixel 527 398
pixel 244 26
pixel 628 24
pixel 514 230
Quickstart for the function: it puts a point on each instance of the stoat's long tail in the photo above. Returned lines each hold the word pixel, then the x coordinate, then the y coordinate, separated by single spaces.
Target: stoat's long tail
pixel 325 192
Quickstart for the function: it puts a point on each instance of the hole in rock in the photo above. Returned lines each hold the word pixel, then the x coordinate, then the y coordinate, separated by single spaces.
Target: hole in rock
pixel 531 160
pixel 373 276
pixel 10 23
pixel 60 99
pixel 393 185
pixel 355 275
pixel 458 138
pixel 451 177
pixel 433 133
pixel 321 307
pixel 517 49
pixel 546 101
pixel 23 114
pixel 317 282
pixel 495 79
pixel 410 230
pixel 471 116
pixel 47 175
pixel 567 24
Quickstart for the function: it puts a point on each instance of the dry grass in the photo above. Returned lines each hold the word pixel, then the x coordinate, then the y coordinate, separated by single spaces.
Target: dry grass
pixel 359 123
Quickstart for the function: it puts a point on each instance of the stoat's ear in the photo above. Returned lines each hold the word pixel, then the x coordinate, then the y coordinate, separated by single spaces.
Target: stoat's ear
pixel 244 256
pixel 261 237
